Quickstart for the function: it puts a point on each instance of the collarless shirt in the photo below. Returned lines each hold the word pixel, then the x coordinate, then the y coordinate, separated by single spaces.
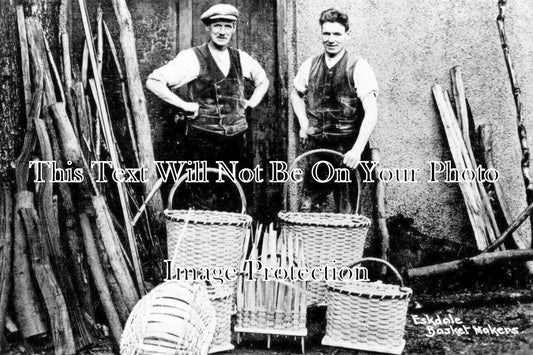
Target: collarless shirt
pixel 363 76
pixel 185 68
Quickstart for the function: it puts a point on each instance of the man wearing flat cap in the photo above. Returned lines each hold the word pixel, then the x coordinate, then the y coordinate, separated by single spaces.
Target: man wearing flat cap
pixel 334 99
pixel 215 74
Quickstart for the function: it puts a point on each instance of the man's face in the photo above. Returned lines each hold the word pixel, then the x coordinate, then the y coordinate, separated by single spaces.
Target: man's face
pixel 333 37
pixel 221 32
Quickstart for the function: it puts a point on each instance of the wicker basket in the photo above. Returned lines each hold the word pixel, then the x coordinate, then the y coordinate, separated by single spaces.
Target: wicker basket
pixel 176 317
pixel 327 236
pixel 368 316
pixel 211 239
pixel 222 299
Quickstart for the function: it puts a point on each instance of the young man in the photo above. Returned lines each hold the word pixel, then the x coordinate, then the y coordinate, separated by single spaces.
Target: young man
pixel 215 75
pixel 334 99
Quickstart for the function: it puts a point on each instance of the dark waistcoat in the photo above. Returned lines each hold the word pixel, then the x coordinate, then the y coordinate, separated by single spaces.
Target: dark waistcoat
pixel 221 98
pixel 333 107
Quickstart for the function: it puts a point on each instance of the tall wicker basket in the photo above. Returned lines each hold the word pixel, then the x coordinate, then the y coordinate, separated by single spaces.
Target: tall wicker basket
pixel 176 317
pixel 327 237
pixel 211 239
pixel 368 316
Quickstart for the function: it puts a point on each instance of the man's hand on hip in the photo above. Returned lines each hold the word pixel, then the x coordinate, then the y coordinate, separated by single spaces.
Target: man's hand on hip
pixel 192 107
pixel 352 158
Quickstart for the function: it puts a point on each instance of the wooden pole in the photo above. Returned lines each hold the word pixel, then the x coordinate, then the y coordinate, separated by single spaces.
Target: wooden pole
pixel 479 260
pixel 512 227
pixel 521 128
pixel 138 103
pixel 381 214
pixel 29 311
pixel 103 111
pixel 99 278
pixel 6 252
pixel 53 297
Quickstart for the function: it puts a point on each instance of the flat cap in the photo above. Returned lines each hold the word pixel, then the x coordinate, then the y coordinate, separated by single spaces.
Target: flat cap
pixel 220 11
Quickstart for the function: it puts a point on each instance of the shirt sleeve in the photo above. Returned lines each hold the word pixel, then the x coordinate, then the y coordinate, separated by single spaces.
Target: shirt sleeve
pixel 251 68
pixel 181 70
pixel 364 79
pixel 301 80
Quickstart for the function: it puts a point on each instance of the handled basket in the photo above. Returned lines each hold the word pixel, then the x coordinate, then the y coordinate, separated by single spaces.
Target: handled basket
pixel 212 238
pixel 327 236
pixel 368 316
pixel 176 317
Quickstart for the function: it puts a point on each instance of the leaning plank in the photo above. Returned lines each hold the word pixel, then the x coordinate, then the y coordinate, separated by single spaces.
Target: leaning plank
pixel 50 231
pixel 55 302
pixel 79 296
pixel 462 112
pixel 512 227
pixel 99 278
pixel 479 261
pixel 129 118
pixel 29 312
pixel 6 251
pixel 380 209
pixel 25 62
pixel 138 103
pixel 469 192
pixel 112 246
pixel 485 136
pixel 106 125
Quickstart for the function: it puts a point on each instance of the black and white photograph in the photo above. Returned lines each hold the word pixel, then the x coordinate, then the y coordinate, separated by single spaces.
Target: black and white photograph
pixel 266 177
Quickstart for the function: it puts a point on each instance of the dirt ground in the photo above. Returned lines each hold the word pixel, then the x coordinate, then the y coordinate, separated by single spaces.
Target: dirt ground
pixel 497 297
pixel 417 342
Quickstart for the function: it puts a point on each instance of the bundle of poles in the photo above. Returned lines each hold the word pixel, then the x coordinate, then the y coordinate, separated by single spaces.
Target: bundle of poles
pixel 62 241
pixel 487 236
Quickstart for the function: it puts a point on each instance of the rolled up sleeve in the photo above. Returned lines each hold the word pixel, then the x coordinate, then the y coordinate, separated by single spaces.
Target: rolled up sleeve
pixel 364 79
pixel 301 80
pixel 252 69
pixel 181 70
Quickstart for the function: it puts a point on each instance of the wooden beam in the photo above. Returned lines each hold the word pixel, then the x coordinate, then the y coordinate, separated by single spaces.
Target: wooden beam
pixel 184 24
pixel 139 111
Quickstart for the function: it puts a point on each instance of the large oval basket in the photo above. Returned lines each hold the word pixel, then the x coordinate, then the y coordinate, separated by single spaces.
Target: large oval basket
pixel 176 317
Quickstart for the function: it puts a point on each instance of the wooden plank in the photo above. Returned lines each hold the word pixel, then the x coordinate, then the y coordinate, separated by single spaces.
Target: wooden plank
pixel 99 278
pixel 29 311
pixel 6 252
pixel 185 28
pixel 140 118
pixel 485 135
pixel 142 125
pixel 53 297
pixel 25 63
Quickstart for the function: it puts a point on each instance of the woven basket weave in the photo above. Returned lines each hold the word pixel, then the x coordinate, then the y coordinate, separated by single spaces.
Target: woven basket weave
pixel 211 239
pixel 222 299
pixel 176 317
pixel 327 237
pixel 367 316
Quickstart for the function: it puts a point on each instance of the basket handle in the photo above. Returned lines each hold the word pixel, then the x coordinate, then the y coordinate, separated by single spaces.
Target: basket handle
pixel 384 262
pixel 209 170
pixel 333 152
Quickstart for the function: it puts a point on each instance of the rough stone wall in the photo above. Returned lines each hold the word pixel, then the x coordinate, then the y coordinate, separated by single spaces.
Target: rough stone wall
pixel 412 45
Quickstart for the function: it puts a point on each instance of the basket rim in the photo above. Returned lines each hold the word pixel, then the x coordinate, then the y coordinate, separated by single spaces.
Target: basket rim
pixel 202 217
pixel 404 292
pixel 333 219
